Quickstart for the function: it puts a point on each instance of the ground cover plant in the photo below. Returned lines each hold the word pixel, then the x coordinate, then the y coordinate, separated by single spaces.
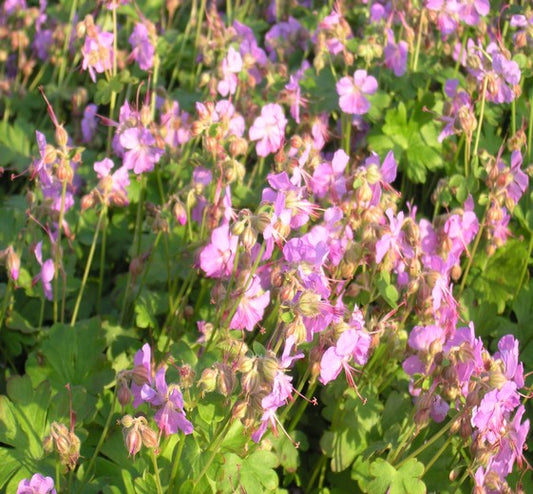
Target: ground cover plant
pixel 265 246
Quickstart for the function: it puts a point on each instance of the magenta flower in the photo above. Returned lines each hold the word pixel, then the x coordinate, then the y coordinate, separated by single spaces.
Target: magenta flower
pixel 231 65
pixel 352 90
pixel 47 272
pixel 177 125
pixel 269 129
pixel 113 185
pixel 216 258
pixel 170 417
pixel 251 306
pixel 141 152
pixel 396 57
pixel 328 178
pixel 142 48
pixel 470 11
pixel 142 375
pixel 88 122
pixel 37 485
pixel 97 53
pixel 352 344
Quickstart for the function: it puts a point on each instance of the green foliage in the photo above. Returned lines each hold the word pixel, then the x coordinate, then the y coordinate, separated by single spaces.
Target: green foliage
pixel 404 480
pixel 412 135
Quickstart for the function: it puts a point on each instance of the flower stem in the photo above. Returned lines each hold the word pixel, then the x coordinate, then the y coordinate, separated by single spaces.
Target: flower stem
pixel 217 441
pixel 57 257
pixel 524 267
pixel 421 24
pixel 427 444
pixel 156 473
pixel 102 268
pixel 87 472
pixel 68 31
pixel 136 247
pixel 474 249
pixel 175 464
pixel 530 127
pixel 437 455
pixel 480 124
pixel 88 266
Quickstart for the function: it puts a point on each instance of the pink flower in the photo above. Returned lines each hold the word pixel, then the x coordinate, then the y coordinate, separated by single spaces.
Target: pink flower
pixel 37 485
pixel 47 271
pixel 88 122
pixel 143 50
pixel 396 57
pixel 269 129
pixel 231 65
pixel 141 152
pixel 216 258
pixel 352 343
pixel 352 89
pixel 251 307
pixel 98 53
pixel 170 417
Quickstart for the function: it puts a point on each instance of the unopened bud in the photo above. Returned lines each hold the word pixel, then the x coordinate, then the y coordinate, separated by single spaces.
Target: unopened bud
pixel 133 440
pixel 208 380
pixel 248 238
pixel 309 304
pixel 238 147
pixel 123 393
pixel 87 201
pixel 180 212
pixel 148 436
pixel 146 115
pixel 61 136
pixel 13 263
pixel 268 367
pixel 226 380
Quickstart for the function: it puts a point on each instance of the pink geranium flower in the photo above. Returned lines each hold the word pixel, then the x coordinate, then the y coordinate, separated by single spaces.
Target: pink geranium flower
pixel 269 129
pixel 47 272
pixel 352 344
pixel 251 306
pixel 142 48
pixel 216 258
pixel 351 91
pixel 97 53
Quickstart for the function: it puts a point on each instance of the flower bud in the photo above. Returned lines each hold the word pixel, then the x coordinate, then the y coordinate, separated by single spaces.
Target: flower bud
pixel 309 304
pixel 208 380
pixel 146 115
pixel 132 440
pixel 87 201
pixel 13 263
pixel 123 392
pixel 226 380
pixel 248 238
pixel 148 436
pixel 251 381
pixel 238 147
pixel 179 212
pixel 61 136
pixel 239 409
pixel 140 375
pixel 268 368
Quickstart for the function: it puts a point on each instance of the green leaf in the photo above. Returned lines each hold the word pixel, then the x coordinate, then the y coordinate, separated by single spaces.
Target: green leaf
pixel 71 355
pixel 406 480
pixel 23 426
pixel 352 422
pixel 387 290
pixel 149 305
pixel 15 148
pixel 255 473
pixel 496 283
